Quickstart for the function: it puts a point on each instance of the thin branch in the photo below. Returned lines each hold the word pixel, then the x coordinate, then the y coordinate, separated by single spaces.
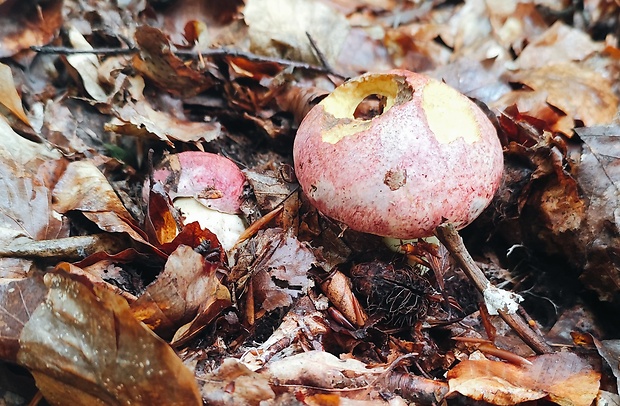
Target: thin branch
pixel 46 49
pixel 450 238
pixel 234 53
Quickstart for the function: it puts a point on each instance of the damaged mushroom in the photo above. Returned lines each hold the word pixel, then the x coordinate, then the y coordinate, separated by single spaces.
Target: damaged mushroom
pixel 430 156
pixel 206 188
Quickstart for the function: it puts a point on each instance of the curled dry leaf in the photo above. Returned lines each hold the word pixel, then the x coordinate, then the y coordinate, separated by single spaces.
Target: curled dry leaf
pixel 337 287
pixel 84 188
pixel 84 346
pixel 18 300
pixel 86 65
pixel 174 298
pixel 234 384
pixel 9 97
pixel 157 62
pixel 321 369
pixel 555 85
pixel 139 118
pixel 30 23
pixel 282 29
pixel 563 378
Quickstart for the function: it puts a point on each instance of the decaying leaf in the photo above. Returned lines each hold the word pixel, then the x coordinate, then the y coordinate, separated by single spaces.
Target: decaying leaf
pixel 32 24
pixel 84 346
pixel 84 188
pixel 137 117
pixel 232 383
pixel 555 85
pixel 282 29
pixel 18 300
pixel 174 298
pixel 560 43
pixel 598 174
pixel 86 65
pixel 563 378
pixel 8 94
pixel 337 287
pixel 162 67
pixel 278 268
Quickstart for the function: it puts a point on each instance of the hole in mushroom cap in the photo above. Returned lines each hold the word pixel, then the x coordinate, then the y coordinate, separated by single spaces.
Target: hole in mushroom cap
pixel 346 104
pixel 370 107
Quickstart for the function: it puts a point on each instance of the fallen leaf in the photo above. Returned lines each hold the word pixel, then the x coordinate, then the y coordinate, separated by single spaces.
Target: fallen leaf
pixel 83 345
pixel 598 176
pixel 87 65
pixel 562 377
pixel 234 384
pixel 173 299
pixel 157 62
pixel 8 94
pixel 33 24
pixel 140 119
pixel 557 84
pixel 18 300
pixel 85 189
pixel 282 29
pixel 279 269
pixel 558 44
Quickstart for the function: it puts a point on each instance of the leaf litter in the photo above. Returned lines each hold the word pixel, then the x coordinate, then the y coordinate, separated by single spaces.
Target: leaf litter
pixel 297 309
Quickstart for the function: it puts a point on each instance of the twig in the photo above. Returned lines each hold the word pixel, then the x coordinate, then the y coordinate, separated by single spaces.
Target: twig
pixel 46 49
pixel 70 248
pixel 450 238
pixel 190 54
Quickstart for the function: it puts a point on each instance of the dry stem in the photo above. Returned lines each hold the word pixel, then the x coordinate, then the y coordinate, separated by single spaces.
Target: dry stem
pixel 450 238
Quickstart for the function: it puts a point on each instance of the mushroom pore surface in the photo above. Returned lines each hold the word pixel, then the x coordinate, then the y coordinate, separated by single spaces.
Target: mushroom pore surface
pixel 430 156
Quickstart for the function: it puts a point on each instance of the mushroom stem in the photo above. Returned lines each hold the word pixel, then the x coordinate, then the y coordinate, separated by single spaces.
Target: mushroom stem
pixel 450 238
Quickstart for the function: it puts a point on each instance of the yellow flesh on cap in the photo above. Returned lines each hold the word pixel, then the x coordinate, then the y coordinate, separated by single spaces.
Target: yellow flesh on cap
pixel 449 114
pixel 343 101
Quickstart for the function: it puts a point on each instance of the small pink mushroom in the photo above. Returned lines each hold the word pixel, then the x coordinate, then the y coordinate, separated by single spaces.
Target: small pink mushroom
pixel 207 188
pixel 431 156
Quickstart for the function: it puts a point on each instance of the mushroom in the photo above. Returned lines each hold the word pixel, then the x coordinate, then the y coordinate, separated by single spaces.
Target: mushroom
pixel 206 188
pixel 430 157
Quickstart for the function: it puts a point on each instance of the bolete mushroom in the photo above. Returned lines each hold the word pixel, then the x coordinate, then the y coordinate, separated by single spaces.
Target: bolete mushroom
pixel 431 156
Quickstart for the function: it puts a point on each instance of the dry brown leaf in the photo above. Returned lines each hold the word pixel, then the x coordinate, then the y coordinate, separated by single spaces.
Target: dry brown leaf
pixel 281 267
pixel 162 67
pixel 23 152
pixel 186 283
pixel 563 378
pixel 598 175
pixel 338 290
pixel 8 94
pixel 581 94
pixel 84 188
pixel 83 346
pixel 281 29
pixel 18 300
pixel 87 66
pixel 138 118
pixel 232 383
pixel 558 44
pixel 34 24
